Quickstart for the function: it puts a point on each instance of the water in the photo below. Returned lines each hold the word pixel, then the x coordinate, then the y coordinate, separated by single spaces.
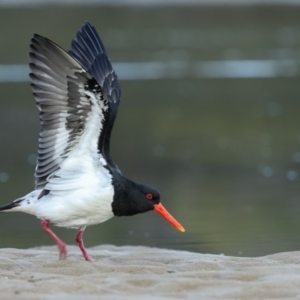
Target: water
pixel 215 126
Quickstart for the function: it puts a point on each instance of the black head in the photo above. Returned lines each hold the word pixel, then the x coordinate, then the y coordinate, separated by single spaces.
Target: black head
pixel 131 198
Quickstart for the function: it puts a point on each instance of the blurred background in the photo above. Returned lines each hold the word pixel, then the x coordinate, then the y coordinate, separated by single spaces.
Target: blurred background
pixel 210 115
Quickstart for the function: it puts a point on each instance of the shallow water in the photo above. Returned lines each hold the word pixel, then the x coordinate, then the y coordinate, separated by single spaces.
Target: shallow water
pixel 224 150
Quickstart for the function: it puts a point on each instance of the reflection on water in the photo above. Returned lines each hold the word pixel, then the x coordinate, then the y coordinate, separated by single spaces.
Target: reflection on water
pixel 217 133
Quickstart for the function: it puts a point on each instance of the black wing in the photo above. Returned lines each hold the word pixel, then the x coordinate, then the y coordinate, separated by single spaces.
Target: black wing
pixel 89 51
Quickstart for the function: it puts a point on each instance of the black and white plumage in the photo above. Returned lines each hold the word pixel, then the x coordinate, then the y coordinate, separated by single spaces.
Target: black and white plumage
pixel 77 182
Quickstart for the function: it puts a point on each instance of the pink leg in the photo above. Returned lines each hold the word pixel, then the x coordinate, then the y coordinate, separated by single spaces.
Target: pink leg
pixel 79 242
pixel 61 245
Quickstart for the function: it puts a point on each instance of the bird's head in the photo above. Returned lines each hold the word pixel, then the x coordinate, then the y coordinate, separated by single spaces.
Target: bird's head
pixel 139 198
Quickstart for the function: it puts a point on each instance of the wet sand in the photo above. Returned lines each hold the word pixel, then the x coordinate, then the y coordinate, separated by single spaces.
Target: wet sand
pixel 146 273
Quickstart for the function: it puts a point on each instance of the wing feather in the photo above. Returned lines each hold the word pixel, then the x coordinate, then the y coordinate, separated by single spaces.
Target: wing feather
pixel 89 51
pixel 72 107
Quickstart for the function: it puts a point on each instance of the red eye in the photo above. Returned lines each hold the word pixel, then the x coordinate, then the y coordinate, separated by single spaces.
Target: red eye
pixel 149 196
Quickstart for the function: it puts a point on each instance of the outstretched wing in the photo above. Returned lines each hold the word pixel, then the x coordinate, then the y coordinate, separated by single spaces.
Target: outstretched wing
pixel 73 108
pixel 89 51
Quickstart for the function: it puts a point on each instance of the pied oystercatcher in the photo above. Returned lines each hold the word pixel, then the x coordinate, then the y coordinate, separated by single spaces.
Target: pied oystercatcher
pixel 77 183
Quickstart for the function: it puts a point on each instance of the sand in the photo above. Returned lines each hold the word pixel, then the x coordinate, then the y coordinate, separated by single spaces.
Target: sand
pixel 146 273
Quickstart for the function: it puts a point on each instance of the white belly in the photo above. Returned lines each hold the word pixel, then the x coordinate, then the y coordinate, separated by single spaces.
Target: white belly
pixel 81 194
pixel 76 209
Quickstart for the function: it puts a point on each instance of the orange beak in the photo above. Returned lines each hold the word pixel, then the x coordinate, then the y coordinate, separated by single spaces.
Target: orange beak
pixel 162 211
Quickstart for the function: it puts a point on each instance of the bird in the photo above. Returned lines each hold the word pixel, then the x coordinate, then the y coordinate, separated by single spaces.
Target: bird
pixel 77 183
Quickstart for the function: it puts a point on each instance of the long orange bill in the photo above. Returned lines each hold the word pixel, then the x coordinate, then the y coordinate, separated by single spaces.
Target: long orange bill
pixel 162 211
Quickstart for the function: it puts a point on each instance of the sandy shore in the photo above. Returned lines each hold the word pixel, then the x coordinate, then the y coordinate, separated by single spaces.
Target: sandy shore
pixel 146 273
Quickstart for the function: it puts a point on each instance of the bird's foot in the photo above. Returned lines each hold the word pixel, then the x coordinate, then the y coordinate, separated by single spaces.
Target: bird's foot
pixel 80 244
pixel 85 255
pixel 61 245
pixel 62 251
